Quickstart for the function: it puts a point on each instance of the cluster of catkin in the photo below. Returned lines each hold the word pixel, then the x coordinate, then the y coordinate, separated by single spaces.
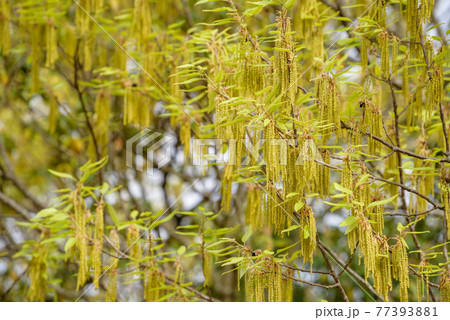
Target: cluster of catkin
pixel 267 280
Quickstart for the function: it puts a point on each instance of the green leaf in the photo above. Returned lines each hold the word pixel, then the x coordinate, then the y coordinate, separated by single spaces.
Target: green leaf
pixel 69 244
pixel 247 234
pixel 439 245
pixel 404 243
pixel 181 250
pixel 61 174
pixel 342 189
pixel 306 232
pixel 299 205
pixel 349 221
pixel 351 227
pixel 382 202
pixel 134 214
pixel 46 212
pixel 295 226
pixel 362 179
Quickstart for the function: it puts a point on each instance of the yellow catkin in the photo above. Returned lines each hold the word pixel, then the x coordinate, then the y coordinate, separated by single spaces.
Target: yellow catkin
pixel 378 217
pixel 378 12
pixel 133 242
pixel 227 183
pixel 422 281
pixel 287 286
pixel 111 290
pixel 81 237
pixel 133 107
pixel 383 40
pixel 395 43
pixel 424 184
pixel 53 116
pixel 368 246
pixel 51 44
pixel 185 135
pixel 373 122
pixel 324 175
pixel 445 196
pixel 253 211
pixel 433 91
pixel 154 284
pixel 35 57
pixel 326 92
pixel 400 269
pixel 154 279
pixel 308 234
pixel 253 72
pixel 382 279
pixel 444 286
pixel 98 244
pixel 141 22
pixel 271 152
pixel 405 79
pixel 5 32
pixel 364 52
pixel 347 176
pixel 275 217
pixel 266 281
pixel 308 155
pixel 102 114
pixel 285 66
pixel 38 274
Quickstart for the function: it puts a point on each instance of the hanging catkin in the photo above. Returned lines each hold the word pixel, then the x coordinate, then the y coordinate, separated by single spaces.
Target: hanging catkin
pixel 285 66
pixel 98 244
pixel 365 44
pixel 141 21
pixel 422 281
pixel 445 196
pixel 38 274
pixel 433 91
pixel 275 216
pixel 185 135
pixel 395 42
pixel 271 152
pixel 368 246
pixel 383 40
pixel 134 244
pixel 379 12
pixel 53 116
pixel 253 211
pixel 260 282
pixel 326 92
pixel 382 279
pixel 102 113
pixel 81 237
pixel 400 269
pixel 5 32
pixel 444 286
pixel 35 38
pixel 51 44
pixel 308 234
pixel 111 289
pixel 227 183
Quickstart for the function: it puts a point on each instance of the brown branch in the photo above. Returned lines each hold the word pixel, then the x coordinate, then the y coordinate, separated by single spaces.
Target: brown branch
pixel 395 148
pixel 311 283
pixel 15 206
pixel 350 271
pixel 333 273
